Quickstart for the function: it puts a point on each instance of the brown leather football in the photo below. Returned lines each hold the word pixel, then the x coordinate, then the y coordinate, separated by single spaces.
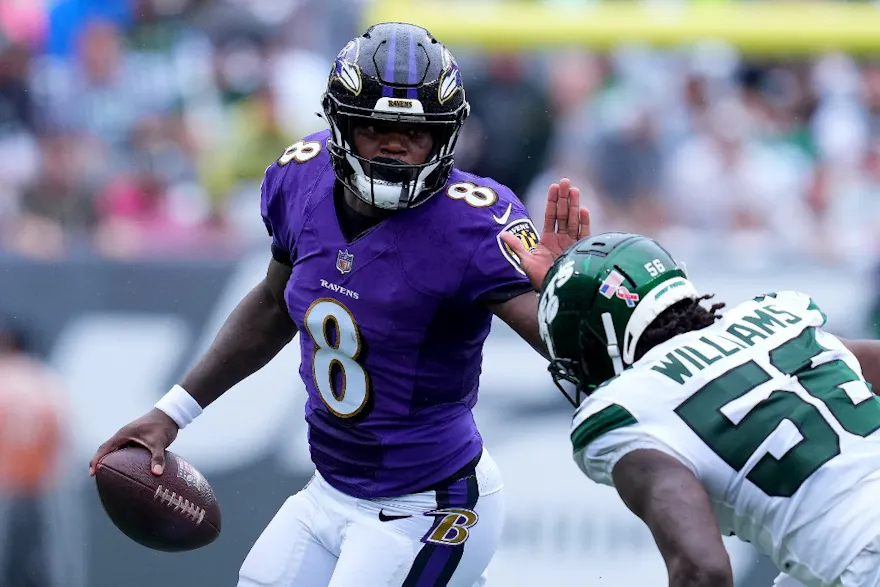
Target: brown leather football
pixel 171 512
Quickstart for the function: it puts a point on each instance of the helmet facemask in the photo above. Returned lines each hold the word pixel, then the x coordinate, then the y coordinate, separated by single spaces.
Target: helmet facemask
pixel 386 183
pixel 578 372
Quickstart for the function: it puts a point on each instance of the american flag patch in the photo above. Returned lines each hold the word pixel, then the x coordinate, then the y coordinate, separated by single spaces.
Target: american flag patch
pixel 610 285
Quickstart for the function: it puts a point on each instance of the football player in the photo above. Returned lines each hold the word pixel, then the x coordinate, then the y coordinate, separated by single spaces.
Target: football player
pixel 756 423
pixel 389 263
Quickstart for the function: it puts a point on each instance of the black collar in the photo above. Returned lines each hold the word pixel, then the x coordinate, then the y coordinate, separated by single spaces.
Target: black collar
pixel 352 222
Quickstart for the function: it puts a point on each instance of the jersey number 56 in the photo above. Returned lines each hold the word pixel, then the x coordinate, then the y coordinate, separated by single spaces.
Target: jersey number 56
pixel 781 475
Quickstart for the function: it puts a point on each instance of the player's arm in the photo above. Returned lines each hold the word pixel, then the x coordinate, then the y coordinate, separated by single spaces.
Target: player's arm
pixel 564 223
pixel 260 325
pixel 254 333
pixel 667 496
pixel 495 281
pixel 256 330
pixel 521 314
pixel 868 354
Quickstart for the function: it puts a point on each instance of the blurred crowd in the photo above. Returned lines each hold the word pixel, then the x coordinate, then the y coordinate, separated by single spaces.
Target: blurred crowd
pixel 756 162
pixel 139 128
pixel 143 127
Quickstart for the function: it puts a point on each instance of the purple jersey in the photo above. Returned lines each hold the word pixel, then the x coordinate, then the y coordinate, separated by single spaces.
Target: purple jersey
pixel 391 324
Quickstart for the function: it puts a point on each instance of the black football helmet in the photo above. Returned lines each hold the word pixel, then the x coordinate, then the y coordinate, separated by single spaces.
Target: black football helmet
pixel 394 72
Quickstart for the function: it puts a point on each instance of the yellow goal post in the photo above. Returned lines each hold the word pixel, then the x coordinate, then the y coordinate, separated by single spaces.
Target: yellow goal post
pixel 756 28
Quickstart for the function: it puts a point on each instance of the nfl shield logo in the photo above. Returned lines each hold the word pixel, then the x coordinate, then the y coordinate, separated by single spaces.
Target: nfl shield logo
pixel 343 261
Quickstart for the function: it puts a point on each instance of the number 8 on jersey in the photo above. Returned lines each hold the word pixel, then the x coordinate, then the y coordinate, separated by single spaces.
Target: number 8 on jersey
pixel 337 346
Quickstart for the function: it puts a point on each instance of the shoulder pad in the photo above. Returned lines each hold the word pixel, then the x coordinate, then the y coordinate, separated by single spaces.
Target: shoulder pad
pixel 795 301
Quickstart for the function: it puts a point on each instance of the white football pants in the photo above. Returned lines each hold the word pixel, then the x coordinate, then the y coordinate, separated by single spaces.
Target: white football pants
pixel 324 538
pixel 863 571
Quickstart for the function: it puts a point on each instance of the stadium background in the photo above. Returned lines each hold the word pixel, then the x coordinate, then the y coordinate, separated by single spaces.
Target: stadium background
pixel 133 135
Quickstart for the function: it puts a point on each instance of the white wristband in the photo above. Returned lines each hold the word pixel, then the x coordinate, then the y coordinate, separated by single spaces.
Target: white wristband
pixel 180 406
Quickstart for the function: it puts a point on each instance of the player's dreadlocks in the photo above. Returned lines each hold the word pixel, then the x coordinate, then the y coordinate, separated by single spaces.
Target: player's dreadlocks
pixel 681 317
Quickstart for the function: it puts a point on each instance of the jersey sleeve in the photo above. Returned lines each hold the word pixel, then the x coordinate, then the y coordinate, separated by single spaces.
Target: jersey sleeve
pixel 835 349
pixel 493 274
pixel 272 210
pixel 604 432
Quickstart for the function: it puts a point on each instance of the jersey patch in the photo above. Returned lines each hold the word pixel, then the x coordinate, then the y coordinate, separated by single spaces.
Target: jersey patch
pixel 525 231
pixel 344 261
pixel 602 422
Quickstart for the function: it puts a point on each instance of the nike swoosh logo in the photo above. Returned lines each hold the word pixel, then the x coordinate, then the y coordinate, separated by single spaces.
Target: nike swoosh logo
pixel 383 517
pixel 503 219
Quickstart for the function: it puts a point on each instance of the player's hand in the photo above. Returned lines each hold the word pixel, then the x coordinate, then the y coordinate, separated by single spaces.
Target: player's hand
pixel 565 222
pixel 155 431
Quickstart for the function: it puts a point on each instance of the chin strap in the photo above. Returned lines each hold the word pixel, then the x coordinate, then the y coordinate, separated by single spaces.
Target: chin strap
pixel 613 349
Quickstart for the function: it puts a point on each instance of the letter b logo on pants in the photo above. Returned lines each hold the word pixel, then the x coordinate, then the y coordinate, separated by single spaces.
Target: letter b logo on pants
pixel 451 526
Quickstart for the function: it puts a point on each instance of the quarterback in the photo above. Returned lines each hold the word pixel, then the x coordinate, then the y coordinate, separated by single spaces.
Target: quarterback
pixel 390 264
pixel 755 423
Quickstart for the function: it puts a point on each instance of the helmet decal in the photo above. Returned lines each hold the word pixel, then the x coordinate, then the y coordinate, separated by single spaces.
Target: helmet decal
pixel 345 68
pixel 548 307
pixel 450 80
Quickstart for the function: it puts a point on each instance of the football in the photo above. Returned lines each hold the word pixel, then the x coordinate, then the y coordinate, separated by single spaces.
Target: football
pixel 172 512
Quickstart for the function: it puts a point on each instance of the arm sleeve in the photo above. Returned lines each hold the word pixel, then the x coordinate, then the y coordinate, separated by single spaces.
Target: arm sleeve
pixel 798 302
pixel 603 433
pixel 493 274
pixel 273 212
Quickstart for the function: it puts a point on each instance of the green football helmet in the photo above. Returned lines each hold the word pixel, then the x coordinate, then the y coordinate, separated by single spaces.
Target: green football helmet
pixel 598 299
